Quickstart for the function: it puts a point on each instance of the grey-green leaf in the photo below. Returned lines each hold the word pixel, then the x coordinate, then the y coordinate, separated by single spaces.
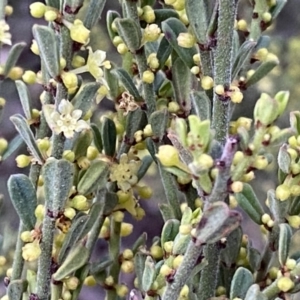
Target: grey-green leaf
pixel 58 176
pixel 130 33
pixel 23 197
pixel 13 145
pixel 25 98
pixel 285 235
pixel 148 274
pixel 48 48
pixel 109 136
pixel 284 159
pixel 13 57
pixel 163 52
pixel 249 202
pixel 254 293
pixel 16 289
pixel 201 104
pixel 170 230
pixel 95 177
pixel 27 135
pixel 110 17
pixel 94 12
pixel 159 121
pixel 97 137
pixel 172 28
pixel 241 282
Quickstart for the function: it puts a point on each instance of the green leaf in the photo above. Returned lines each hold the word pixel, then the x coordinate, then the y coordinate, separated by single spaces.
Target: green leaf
pixel 81 274
pixel 146 163
pixel 75 260
pixel 110 17
pixel 241 282
pixel 53 3
pixel 163 14
pixel 82 143
pixel 295 206
pixel 285 235
pixel 58 176
pixel 159 121
pixel 254 293
pixel 85 97
pixel 141 241
pixel 166 212
pixel 109 137
pixel 94 12
pixel 130 33
pixel 181 80
pixel 216 222
pixel 230 254
pixel 13 57
pixel 201 104
pixel 97 137
pixel 27 135
pixel 172 28
pixel 95 177
pixel 136 120
pixel 170 230
pixel 253 257
pixel 113 83
pixel 48 48
pixel 265 68
pixel 196 11
pixel 242 57
pixel 127 82
pixel 16 289
pixel 148 274
pixel 284 159
pixel 163 52
pixel 249 202
pixel 100 266
pixel 25 98
pixel 13 146
pixel 139 264
pixel 23 197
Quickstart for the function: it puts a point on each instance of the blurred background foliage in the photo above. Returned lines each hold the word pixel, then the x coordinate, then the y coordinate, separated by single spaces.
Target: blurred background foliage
pixel 285 43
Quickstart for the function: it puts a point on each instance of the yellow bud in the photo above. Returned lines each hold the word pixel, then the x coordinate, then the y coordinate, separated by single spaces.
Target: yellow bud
pixel 69 155
pixel 72 283
pixel 70 213
pixel 39 212
pixel 83 162
pixel 26 237
pixel 35 114
pixel 207 83
pixel 273 272
pixel 66 295
pixel 148 130
pixel 139 213
pixel 265 218
pixel 221 290
pixel 122 48
pixel 237 186
pixel 153 63
pixel 248 176
pixel 34 47
pixel 90 281
pixel 104 232
pixel 23 160
pixel 285 284
pixel 295 190
pixel 126 229
pixel 156 252
pixel 118 216
pixel 261 54
pixel 233 202
pixel 165 270
pixel 260 162
pixel 294 221
pixel 2 102
pixel 3 260
pixel 173 107
pixel 186 40
pixel 109 281
pixel 79 33
pixel 184 293
pixel 250 73
pixel 266 17
pixel 92 152
pixel 117 40
pixel 148 76
pixel 3 145
pixel 127 266
pixel 123 196
pixel 128 254
pixel 199 203
pixel 168 246
pixel 242 25
pixel 196 58
pixel 179 5
pixel 43 144
pixel 29 77
pixel 80 202
pixel 88 115
pixel 168 156
pixel 148 14
pixel 50 15
pixel 238 157
pixel 151 33
pixel 62 63
pixel 195 70
pixel 237 97
pixel 205 161
pixel 177 261
pixel 272 58
pixel 8 10
pixel 69 79
pixel 31 251
pixel 78 61
pixel 283 192
pixel 15 73
pixel 292 153
pixel 37 9
pixel 185 229
pixel 219 89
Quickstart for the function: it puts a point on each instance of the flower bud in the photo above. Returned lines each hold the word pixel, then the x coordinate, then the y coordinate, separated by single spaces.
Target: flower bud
pixel 69 155
pixel 156 252
pixel 118 216
pixel 186 40
pixel 207 83
pixel 31 251
pixel 139 213
pixel 50 15
pixel 237 97
pixel 126 229
pixel 109 281
pixel 15 73
pixel 122 48
pixel 37 9
pixel 242 25
pixel 266 110
pixel 92 152
pixel 78 61
pixel 151 33
pixel 69 79
pixel 237 186
pixel 29 77
pixel 3 145
pixel 195 70
pixel 177 261
pixel 261 54
pixel 173 107
pixel 128 254
pixel 283 192
pixel 219 89
pixel 127 266
pixel 184 293
pixel 165 270
pixel 90 281
pixel 34 47
pixel 70 213
pixel 168 156
pixel 185 229
pixel 266 17
pixel 79 33
pixel 294 221
pixel 148 130
pixel 80 202
pixel 148 76
pixel 148 14
pixel 8 10
pixel 72 283
pixel 23 160
pixel 285 284
pixel 26 237
pixel 168 246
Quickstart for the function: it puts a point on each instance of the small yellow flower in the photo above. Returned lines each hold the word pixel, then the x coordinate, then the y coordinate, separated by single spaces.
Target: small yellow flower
pixel 95 61
pixel 151 33
pixel 65 120
pixel 186 40
pixel 70 80
pixel 125 172
pixel 31 251
pixel 5 36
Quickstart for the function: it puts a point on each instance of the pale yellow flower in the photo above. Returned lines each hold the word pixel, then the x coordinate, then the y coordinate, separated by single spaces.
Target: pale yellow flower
pixel 95 61
pixel 65 120
pixel 5 36
pixel 31 251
